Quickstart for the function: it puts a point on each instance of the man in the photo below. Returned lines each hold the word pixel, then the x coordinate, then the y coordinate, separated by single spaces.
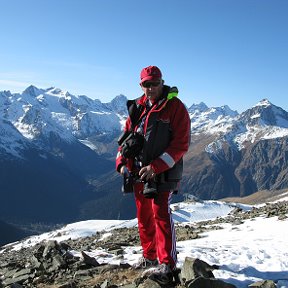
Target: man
pixel 163 123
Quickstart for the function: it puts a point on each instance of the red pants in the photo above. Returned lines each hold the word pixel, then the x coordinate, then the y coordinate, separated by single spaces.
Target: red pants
pixel 156 227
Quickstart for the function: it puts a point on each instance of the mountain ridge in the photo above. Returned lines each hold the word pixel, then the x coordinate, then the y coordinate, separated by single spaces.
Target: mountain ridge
pixel 73 139
pixel 80 117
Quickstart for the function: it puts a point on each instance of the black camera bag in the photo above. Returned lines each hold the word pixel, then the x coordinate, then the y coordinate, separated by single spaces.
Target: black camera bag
pixel 132 145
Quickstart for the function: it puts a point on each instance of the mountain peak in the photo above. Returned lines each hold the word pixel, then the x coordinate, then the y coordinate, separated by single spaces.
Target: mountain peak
pixel 265 114
pixel 33 91
pixel 120 97
pixel 201 107
pixel 118 104
pixel 227 111
pixel 264 102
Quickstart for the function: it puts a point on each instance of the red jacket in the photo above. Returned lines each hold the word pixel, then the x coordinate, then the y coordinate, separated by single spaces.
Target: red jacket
pixel 166 132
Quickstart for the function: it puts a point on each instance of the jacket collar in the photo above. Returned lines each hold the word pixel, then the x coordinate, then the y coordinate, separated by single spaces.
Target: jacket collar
pixel 167 90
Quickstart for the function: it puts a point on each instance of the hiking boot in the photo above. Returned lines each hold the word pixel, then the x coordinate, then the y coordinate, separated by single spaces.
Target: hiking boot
pixel 145 263
pixel 163 275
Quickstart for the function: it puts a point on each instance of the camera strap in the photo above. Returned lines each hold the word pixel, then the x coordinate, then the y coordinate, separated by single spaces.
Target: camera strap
pixel 148 107
pixel 142 119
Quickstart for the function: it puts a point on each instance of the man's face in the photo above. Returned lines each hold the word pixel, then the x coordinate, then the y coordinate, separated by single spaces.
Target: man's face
pixel 152 89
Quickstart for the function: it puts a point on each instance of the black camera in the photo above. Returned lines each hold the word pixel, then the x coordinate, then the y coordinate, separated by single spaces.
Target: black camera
pixel 128 181
pixel 150 189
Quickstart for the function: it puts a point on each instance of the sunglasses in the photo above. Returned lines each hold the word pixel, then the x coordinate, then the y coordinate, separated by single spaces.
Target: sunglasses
pixel 148 84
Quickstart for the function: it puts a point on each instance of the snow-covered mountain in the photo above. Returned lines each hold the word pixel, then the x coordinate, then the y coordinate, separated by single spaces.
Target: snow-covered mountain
pixel 237 154
pixel 262 121
pixel 57 145
pixel 37 113
pixel 46 152
pixel 210 120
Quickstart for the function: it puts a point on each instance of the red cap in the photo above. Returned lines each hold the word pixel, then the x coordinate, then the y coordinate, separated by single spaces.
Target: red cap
pixel 150 73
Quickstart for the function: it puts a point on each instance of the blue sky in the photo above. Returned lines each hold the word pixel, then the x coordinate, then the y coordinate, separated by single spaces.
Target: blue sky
pixel 232 52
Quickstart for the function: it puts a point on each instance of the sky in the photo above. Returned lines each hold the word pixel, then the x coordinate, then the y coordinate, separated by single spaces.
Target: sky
pixel 261 253
pixel 220 52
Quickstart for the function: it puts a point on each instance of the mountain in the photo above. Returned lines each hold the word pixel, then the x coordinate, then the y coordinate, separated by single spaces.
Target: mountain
pixel 57 150
pixel 53 145
pixel 38 112
pixel 236 155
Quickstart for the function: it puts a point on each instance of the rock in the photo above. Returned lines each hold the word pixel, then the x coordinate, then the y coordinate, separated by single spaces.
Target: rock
pixel 16 285
pixel 237 222
pixel 187 232
pixel 57 263
pixel 117 251
pixel 71 284
pixel 18 276
pixel 196 273
pixel 202 282
pixel 83 275
pixel 264 284
pixel 282 217
pixel 148 283
pixel 10 273
pixel 105 284
pixel 22 272
pixel 89 260
pixel 236 210
pixel 194 268
pixel 14 280
pixel 49 248
pixel 35 262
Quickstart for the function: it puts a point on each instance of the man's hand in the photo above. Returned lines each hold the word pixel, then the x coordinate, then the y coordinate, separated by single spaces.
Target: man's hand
pixel 124 170
pixel 147 173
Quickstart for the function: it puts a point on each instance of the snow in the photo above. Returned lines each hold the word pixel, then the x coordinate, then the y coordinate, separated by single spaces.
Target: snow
pixel 258 115
pixel 207 210
pixel 276 132
pixel 284 197
pixel 36 113
pixel 89 144
pixel 241 130
pixel 11 141
pixel 259 133
pixel 264 102
pixel 213 146
pixel 210 122
pixel 246 253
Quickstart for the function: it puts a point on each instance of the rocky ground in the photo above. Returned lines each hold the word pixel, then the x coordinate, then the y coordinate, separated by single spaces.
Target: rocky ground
pixel 52 265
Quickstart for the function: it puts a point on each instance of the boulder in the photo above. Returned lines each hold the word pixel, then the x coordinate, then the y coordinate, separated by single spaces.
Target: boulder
pixel 201 282
pixel 196 273
pixel 264 284
pixel 193 268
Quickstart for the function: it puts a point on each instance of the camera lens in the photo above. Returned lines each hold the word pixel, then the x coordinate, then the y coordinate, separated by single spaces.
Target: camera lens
pixel 150 190
pixel 127 186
